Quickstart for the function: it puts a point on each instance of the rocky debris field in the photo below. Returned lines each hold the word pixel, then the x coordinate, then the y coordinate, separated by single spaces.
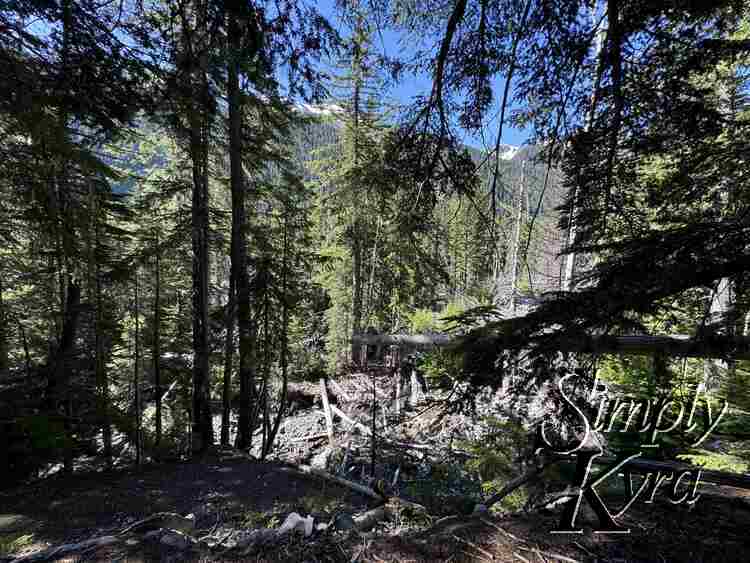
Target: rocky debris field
pixel 318 499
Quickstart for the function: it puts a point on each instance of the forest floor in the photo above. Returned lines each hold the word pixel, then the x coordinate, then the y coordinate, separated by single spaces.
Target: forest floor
pixel 233 498
pixel 246 494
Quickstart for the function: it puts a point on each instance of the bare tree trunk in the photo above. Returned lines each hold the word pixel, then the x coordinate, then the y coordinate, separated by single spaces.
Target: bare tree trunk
pixel 228 363
pixel 284 347
pixel 157 341
pixel 137 377
pixel 569 267
pixel 516 242
pixel 26 355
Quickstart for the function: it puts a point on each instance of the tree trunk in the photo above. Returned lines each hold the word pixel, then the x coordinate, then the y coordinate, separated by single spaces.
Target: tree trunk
pixel 101 369
pixel 196 50
pixel 516 242
pixel 95 296
pixel 58 386
pixel 157 341
pixel 357 230
pixel 228 363
pixel 137 376
pixel 4 324
pixel 202 430
pixel 284 348
pixel 239 244
pixel 569 267
pixel 26 354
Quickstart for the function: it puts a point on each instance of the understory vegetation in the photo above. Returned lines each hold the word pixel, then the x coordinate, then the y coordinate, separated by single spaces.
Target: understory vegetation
pixel 215 215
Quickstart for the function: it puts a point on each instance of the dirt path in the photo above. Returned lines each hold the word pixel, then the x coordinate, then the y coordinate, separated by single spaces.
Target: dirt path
pixel 69 509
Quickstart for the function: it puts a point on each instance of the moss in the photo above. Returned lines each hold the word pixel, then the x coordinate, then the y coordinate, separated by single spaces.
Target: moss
pixel 12 543
pixel 716 461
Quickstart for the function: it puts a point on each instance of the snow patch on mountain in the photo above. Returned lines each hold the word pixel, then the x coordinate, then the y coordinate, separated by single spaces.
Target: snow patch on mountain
pixel 319 109
pixel 508 152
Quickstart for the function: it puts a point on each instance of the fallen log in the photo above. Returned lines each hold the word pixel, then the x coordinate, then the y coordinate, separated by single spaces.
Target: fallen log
pixel 361 489
pixel 403 339
pixel 513 484
pixel 709 477
pixel 679 345
pixel 327 411
pixel 309 438
pixel 341 414
pixel 339 390
pixel 371 518
pixel 169 520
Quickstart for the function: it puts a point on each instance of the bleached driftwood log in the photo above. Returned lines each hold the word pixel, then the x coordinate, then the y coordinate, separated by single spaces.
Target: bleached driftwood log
pixel 326 410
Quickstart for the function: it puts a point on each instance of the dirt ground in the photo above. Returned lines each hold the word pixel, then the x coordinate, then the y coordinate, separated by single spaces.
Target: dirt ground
pixel 61 510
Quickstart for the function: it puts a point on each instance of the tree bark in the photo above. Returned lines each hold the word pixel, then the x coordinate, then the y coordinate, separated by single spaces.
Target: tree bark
pixel 569 267
pixel 202 430
pixel 228 362
pixel 716 346
pixel 157 341
pixel 239 228
pixel 357 230
pixel 58 386
pixel 4 324
pixel 137 375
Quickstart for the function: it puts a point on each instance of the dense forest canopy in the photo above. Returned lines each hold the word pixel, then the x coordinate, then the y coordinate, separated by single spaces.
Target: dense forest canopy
pixel 202 202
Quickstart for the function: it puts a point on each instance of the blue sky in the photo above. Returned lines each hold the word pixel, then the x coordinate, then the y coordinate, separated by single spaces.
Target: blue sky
pixel 389 42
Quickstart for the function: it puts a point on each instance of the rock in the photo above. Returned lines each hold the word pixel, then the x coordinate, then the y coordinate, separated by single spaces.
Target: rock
pixel 173 538
pixel 343 522
pixel 479 510
pixel 256 537
pixel 323 459
pixel 295 522
pixel 168 520
pixel 153 534
pixel 201 512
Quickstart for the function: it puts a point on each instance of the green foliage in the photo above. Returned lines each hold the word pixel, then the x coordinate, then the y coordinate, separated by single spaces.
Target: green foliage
pixel 494 454
pixel 422 320
pixel 716 461
pixel 440 367
pixel 257 519
pixel 513 502
pixel 12 543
